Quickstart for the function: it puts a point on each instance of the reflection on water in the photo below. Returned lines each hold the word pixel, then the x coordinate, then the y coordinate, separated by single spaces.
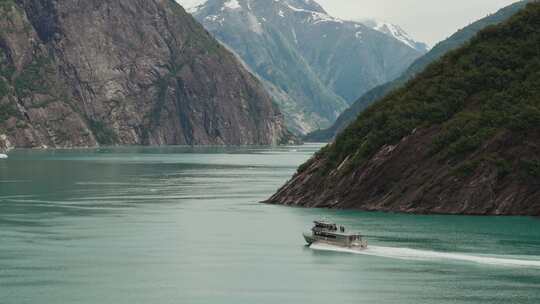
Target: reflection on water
pixel 183 225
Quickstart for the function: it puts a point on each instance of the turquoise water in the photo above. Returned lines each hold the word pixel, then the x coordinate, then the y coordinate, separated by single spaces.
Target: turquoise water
pixel 182 225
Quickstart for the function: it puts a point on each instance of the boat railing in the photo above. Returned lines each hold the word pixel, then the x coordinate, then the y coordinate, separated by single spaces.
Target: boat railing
pixel 363 243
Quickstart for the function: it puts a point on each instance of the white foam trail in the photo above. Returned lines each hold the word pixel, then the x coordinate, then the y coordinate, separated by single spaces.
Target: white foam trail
pixel 426 255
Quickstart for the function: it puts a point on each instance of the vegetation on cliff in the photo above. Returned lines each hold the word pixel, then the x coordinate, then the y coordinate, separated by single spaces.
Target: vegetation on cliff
pixel 490 85
pixel 474 115
pixel 453 42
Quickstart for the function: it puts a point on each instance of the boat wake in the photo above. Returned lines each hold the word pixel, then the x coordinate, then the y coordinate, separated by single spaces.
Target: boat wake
pixel 426 255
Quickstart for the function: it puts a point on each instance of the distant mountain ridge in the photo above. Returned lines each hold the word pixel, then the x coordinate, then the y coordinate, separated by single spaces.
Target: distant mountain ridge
pixel 453 42
pixel 312 63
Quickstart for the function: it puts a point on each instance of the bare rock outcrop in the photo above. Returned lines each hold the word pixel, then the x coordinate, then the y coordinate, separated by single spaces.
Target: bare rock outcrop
pixel 77 73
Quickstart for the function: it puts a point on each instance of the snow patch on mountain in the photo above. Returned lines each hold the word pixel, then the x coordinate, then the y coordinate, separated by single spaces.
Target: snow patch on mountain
pixel 231 4
pixel 294 36
pixel 316 17
pixel 396 32
pixel 212 18
pixel 254 24
pixel 192 6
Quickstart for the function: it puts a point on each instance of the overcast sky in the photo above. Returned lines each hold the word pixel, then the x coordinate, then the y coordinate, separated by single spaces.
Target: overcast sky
pixel 425 20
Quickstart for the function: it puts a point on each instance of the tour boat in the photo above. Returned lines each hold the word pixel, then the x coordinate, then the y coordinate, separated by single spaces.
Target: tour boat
pixel 329 233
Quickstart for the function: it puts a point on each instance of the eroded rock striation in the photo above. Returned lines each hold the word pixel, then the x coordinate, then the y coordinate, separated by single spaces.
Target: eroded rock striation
pixel 77 73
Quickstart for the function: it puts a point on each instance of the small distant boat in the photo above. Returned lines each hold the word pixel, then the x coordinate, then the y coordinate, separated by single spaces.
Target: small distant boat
pixel 3 156
pixel 328 233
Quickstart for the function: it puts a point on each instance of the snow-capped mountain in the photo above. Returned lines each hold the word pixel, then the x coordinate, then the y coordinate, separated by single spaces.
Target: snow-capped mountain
pixel 313 63
pixel 397 32
pixel 191 5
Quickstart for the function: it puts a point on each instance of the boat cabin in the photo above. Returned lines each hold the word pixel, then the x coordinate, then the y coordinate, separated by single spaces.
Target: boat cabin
pixel 331 233
pixel 320 225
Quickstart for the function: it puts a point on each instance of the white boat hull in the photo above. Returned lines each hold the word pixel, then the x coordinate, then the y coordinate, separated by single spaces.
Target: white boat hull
pixel 357 244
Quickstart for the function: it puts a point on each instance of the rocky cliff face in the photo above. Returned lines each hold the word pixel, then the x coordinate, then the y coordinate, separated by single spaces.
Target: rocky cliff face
pixel 463 137
pixel 312 63
pixel 85 73
pixel 453 42
pixel 5 144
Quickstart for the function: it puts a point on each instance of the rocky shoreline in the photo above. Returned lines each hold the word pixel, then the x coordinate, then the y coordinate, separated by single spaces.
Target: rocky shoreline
pixel 399 179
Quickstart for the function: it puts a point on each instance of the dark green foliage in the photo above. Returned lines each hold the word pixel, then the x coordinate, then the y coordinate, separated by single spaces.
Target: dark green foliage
pixel 7 72
pixel 7 111
pixel 467 144
pixel 466 169
pixel 6 69
pixel 3 88
pixel 162 86
pixel 488 86
pixel 303 167
pixel 6 5
pixel 531 168
pixel 103 134
pixel 503 166
pixel 33 79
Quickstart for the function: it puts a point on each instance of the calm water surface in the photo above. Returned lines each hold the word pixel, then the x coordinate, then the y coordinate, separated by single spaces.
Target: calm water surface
pixel 182 225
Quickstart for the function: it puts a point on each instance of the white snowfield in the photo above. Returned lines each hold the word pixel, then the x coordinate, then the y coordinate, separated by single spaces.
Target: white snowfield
pixel 232 4
pixel 316 17
pixel 396 32
pixel 392 30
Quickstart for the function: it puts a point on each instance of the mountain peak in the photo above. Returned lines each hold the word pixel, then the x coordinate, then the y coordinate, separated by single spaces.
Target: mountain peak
pixel 314 13
pixel 395 31
pixel 311 62
pixel 306 6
